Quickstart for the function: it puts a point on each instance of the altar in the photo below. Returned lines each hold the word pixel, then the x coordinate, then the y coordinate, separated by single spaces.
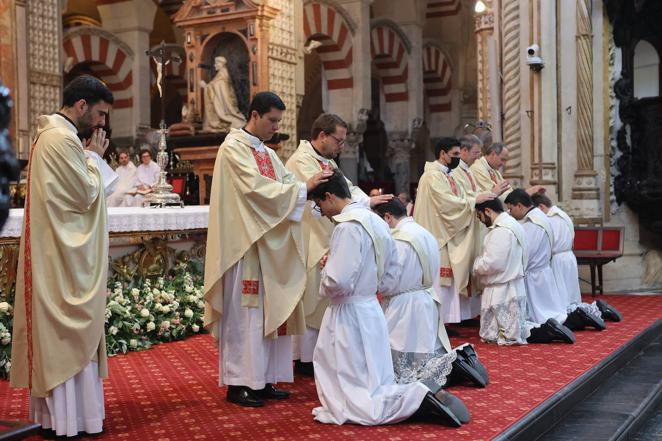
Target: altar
pixel 144 242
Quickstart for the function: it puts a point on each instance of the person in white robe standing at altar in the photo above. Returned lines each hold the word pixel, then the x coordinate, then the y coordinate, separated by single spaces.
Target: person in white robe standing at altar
pixel 124 194
pixel 59 346
pixel 564 262
pixel 503 315
pixel 420 346
pixel 545 298
pixel 353 368
pixel 255 273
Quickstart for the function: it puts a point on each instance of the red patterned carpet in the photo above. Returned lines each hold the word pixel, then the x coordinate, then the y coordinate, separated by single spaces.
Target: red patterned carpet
pixel 171 393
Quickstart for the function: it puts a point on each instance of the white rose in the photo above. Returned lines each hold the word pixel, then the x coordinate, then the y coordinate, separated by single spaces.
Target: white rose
pixel 156 291
pixel 133 343
pixel 113 330
pixel 195 328
pixel 144 312
pixel 188 313
pixel 6 340
pixel 135 292
pixel 151 326
pixel 201 304
pixel 165 309
pixel 192 298
pixel 165 324
pixel 188 288
pixel 158 307
pixel 8 366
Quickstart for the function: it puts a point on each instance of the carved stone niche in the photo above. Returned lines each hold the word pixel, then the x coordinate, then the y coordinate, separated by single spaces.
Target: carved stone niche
pixel 639 182
pixel 237 30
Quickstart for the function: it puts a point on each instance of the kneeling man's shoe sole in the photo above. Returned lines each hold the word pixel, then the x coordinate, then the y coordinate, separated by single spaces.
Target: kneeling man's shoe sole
pixel 456 405
pixel 609 312
pixel 432 407
pixel 559 332
pixel 593 322
pixel 471 357
pixel 462 368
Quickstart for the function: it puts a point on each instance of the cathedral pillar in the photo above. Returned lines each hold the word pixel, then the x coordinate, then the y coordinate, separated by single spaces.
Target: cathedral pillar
pixel 132 22
pixel 487 57
pixel 585 193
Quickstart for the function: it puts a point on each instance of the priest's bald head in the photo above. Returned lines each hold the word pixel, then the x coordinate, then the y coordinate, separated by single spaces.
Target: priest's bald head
pixel 333 195
pixel 392 211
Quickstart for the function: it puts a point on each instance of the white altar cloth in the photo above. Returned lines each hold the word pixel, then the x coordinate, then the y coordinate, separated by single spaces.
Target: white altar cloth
pixel 126 219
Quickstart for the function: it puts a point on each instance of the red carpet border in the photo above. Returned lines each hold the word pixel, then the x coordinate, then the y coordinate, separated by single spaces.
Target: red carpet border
pixel 171 392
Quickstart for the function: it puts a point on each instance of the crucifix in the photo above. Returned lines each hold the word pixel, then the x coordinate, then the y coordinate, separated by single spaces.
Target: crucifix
pixel 162 195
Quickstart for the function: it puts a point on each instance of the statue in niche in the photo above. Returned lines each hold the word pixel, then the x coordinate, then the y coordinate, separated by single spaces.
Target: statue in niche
pixel 221 109
pixel 398 153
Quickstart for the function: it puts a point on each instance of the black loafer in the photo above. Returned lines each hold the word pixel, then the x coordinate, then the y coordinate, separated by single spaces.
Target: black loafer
pixel 456 405
pixel 431 407
pixel 463 370
pixel 304 368
pixel 471 357
pixel 243 396
pixel 609 312
pixel 557 331
pixel 271 393
pixel 592 321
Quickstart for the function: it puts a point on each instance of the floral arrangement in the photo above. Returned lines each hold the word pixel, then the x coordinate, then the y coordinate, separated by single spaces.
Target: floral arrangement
pixel 139 313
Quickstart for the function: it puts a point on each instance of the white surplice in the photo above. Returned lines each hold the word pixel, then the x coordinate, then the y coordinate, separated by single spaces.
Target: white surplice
pixel 503 318
pixel 545 300
pixel 353 368
pixel 564 262
pixel 413 312
pixel 148 174
pixel 126 183
pixel 73 406
pixel 246 357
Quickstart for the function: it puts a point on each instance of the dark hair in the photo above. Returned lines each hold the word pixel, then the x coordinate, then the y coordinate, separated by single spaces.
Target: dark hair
pixel 263 102
pixel 493 204
pixel 394 206
pixel 143 151
pixel 519 196
pixel 88 88
pixel 540 198
pixel 445 144
pixel 336 185
pixel 327 123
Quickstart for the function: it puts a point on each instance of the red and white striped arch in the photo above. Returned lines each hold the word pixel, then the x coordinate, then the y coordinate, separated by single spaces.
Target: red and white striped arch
pixel 323 23
pixel 391 60
pixel 442 8
pixel 107 59
pixel 437 79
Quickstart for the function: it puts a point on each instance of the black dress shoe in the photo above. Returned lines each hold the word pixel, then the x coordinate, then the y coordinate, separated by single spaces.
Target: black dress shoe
pixel 243 396
pixel 557 331
pixel 471 357
pixel 456 405
pixel 431 407
pixel 464 371
pixel 452 332
pixel 304 368
pixel 574 321
pixel 271 393
pixel 592 321
pixel 609 312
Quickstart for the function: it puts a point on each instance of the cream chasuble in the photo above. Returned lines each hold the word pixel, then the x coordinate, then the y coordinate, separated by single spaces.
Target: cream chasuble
pixel 252 196
pixel 487 177
pixel 61 282
pixel 305 163
pixel 447 211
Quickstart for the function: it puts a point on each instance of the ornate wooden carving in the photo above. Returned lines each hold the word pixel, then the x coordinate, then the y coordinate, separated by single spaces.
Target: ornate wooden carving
pixel 639 140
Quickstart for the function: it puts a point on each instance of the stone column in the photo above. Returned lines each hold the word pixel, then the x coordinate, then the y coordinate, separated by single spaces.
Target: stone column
pixel 484 28
pixel 512 111
pixel 585 189
pixel 132 22
pixel 43 69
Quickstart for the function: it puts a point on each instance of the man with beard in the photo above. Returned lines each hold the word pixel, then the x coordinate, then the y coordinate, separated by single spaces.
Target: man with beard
pixel 59 347
pixel 327 136
pixel 124 195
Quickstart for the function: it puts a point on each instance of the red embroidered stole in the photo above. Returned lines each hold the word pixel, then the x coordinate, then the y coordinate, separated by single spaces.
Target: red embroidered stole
pixel 451 181
pixel 326 166
pixel 27 269
pixel 471 179
pixel 493 175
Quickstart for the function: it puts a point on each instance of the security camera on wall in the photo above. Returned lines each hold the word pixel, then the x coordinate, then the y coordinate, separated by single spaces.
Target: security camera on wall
pixel 533 58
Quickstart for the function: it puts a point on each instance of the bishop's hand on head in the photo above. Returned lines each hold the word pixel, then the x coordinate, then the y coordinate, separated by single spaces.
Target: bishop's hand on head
pixel 486 196
pixel 380 199
pixel 500 187
pixel 317 179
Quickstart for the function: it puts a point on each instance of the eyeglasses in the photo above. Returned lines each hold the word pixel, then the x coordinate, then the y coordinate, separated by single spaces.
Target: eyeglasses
pixel 340 142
